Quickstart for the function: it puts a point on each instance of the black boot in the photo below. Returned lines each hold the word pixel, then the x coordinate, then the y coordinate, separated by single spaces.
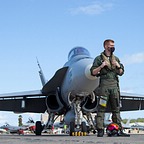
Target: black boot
pixel 100 133
pixel 121 133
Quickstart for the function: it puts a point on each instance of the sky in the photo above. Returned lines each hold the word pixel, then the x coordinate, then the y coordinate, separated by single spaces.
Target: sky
pixel 49 29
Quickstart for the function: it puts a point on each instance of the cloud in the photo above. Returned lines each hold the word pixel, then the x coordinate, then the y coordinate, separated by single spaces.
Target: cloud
pixel 92 9
pixel 134 58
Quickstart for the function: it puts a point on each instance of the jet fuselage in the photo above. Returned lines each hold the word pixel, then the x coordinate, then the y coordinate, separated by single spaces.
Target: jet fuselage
pixel 78 80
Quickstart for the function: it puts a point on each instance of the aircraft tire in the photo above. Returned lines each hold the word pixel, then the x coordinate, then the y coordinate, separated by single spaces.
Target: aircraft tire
pixel 83 127
pixel 72 128
pixel 94 131
pixel 38 129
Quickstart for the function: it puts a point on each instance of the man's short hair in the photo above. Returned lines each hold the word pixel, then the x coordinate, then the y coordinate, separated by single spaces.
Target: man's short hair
pixel 107 41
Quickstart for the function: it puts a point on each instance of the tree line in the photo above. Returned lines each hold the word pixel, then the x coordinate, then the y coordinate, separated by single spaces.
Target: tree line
pixel 133 120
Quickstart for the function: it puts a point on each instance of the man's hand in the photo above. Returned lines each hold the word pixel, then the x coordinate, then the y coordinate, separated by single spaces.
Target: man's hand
pixel 105 63
pixel 115 64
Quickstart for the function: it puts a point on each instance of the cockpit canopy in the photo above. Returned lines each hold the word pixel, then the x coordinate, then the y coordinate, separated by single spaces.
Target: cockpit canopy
pixel 78 51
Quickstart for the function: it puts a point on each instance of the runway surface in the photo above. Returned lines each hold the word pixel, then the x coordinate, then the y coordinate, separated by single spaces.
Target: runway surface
pixel 66 139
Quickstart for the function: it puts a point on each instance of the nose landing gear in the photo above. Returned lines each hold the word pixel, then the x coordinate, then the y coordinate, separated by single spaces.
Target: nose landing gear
pixel 78 130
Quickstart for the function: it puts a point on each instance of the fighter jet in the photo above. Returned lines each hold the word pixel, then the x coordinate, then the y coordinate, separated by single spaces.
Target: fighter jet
pixel 70 92
pixel 137 125
pixel 30 124
pixel 14 129
pixel 2 131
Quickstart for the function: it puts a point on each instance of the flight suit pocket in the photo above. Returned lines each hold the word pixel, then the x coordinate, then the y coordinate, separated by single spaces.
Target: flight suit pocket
pixel 103 101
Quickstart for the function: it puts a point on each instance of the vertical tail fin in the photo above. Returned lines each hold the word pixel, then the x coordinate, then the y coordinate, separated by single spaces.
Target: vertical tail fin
pixel 42 77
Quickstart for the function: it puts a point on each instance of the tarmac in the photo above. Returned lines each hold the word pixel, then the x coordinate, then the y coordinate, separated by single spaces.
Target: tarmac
pixel 66 139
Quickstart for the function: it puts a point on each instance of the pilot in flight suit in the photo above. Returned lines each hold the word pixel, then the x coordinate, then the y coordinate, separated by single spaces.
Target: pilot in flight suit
pixel 107 66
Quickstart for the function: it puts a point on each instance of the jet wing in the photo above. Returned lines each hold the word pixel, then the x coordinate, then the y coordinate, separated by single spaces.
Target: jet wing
pixel 28 101
pixel 32 101
pixel 21 94
pixel 132 101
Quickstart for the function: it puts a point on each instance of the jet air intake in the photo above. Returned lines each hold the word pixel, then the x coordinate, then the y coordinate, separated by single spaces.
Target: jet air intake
pixel 90 104
pixel 53 103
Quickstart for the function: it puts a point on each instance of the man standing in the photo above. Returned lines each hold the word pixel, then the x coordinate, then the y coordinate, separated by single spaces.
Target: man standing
pixel 108 67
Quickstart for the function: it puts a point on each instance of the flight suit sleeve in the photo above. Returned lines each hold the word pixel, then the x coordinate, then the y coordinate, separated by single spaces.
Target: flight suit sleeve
pixel 96 63
pixel 121 66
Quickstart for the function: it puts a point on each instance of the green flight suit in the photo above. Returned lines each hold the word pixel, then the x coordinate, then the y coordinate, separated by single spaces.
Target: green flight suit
pixel 108 90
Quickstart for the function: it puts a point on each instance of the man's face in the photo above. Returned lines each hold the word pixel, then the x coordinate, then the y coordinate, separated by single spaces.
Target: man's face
pixel 110 47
